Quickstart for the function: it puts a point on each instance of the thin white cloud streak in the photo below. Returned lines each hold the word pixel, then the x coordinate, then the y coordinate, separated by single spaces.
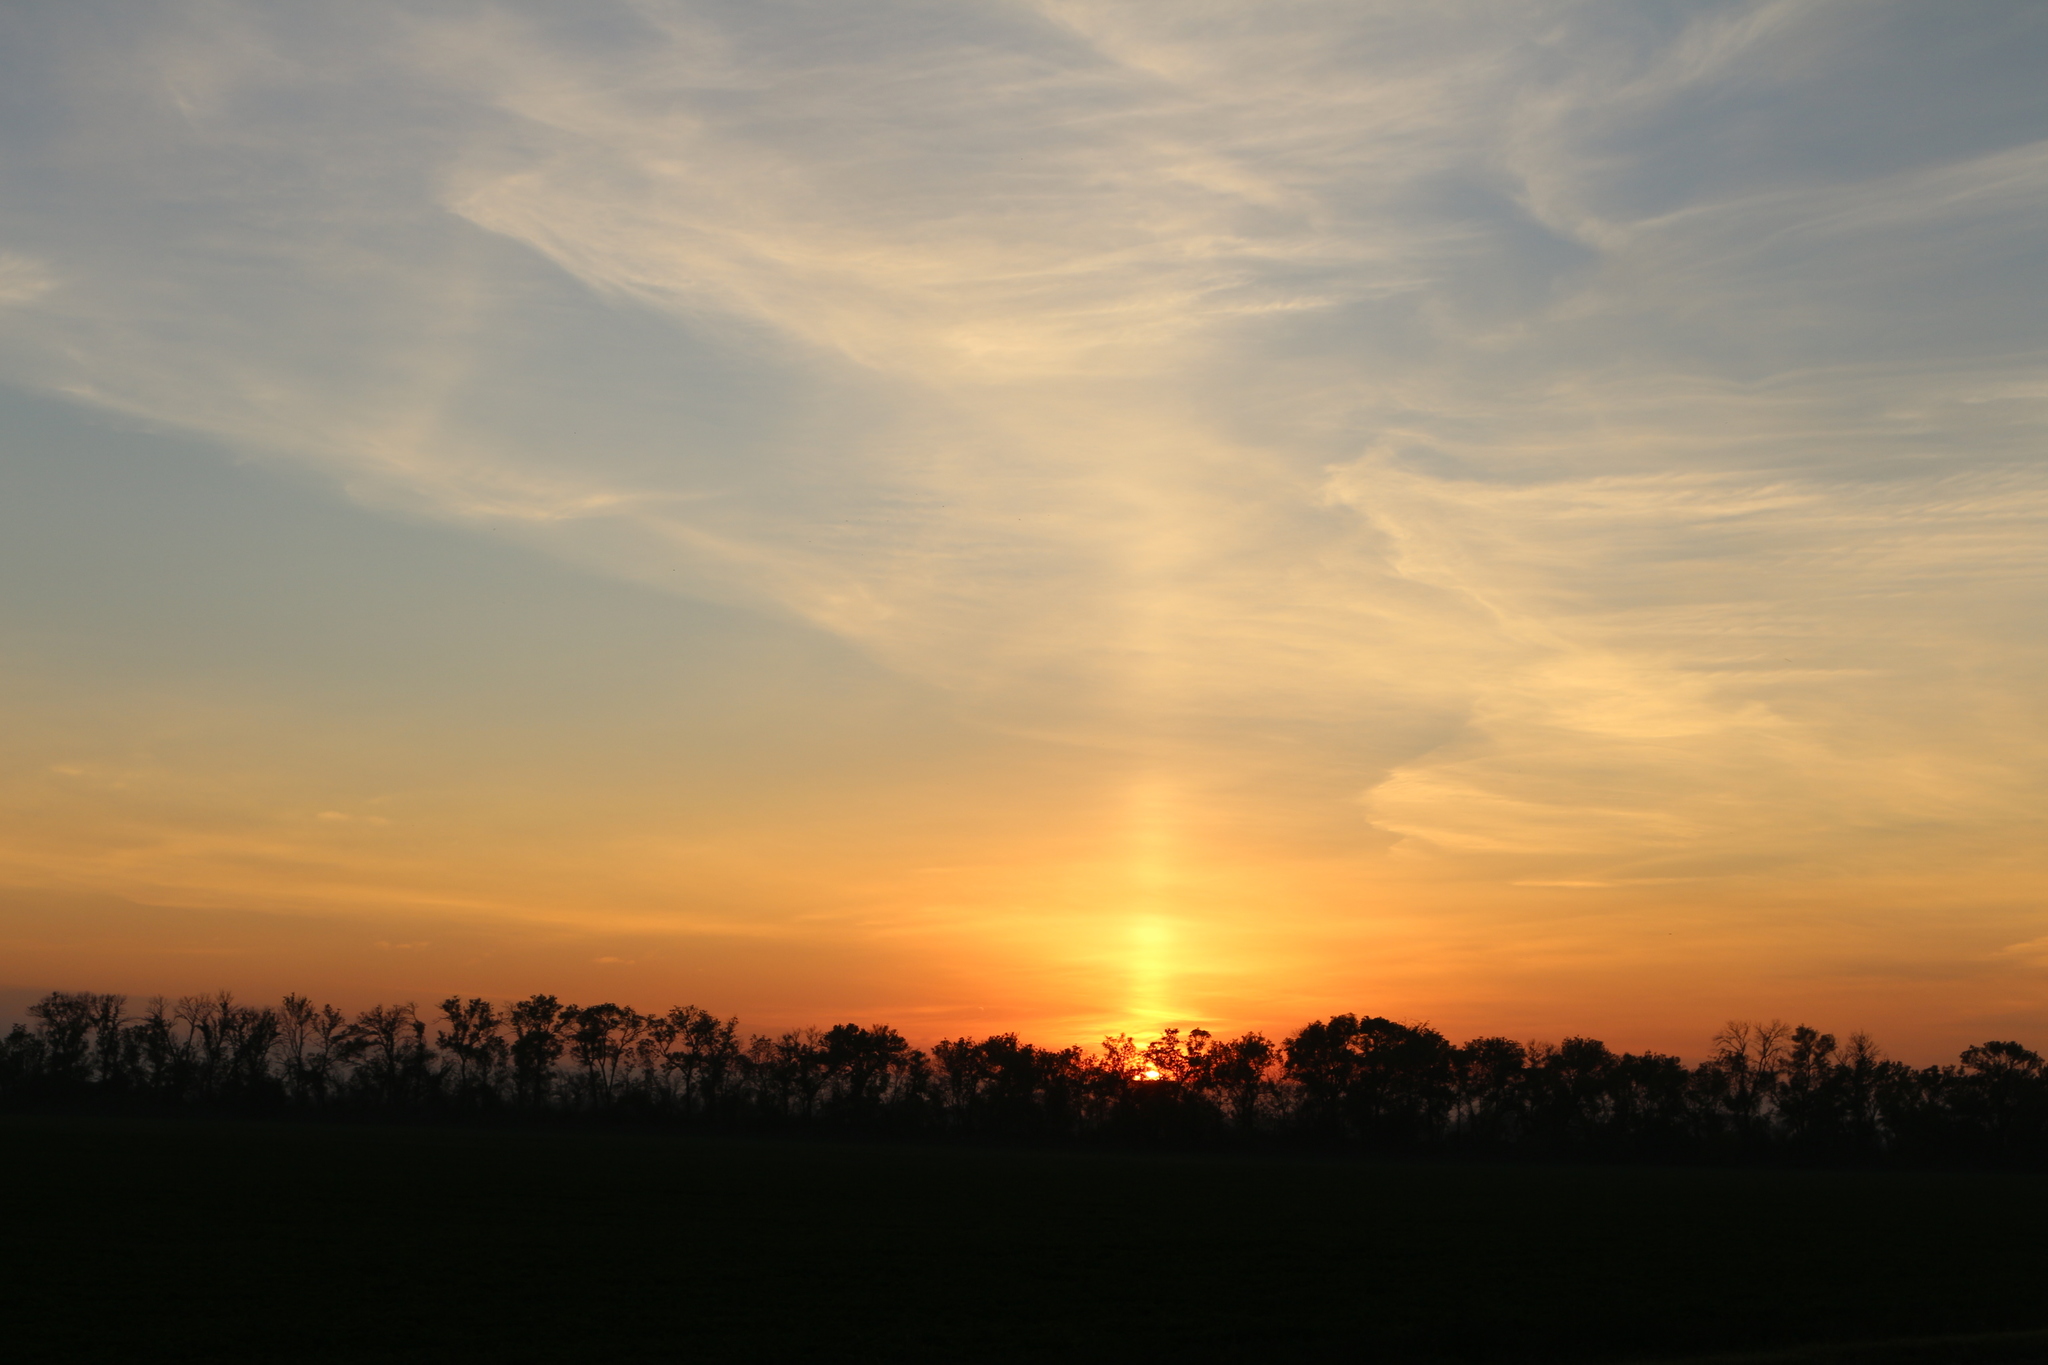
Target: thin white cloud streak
pixel 1343 400
pixel 23 280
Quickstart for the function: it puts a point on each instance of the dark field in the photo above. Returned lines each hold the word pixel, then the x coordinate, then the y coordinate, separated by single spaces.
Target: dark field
pixel 150 1241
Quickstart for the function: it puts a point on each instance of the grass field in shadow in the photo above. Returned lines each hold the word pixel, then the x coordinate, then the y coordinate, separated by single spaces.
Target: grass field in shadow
pixel 156 1240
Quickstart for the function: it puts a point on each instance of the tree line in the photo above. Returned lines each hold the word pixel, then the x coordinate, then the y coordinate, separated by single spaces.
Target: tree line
pixel 1350 1081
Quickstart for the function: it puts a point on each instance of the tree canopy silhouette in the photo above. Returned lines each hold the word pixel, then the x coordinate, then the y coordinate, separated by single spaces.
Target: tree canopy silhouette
pixel 1360 1081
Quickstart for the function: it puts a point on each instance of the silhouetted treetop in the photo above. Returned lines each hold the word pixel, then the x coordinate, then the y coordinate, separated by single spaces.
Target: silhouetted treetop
pixel 1351 1080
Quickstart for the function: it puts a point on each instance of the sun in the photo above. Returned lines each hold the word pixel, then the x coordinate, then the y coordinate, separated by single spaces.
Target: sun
pixel 1150 1073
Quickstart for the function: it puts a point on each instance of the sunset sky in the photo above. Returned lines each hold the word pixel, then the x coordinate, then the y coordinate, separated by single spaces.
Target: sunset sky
pixel 1045 515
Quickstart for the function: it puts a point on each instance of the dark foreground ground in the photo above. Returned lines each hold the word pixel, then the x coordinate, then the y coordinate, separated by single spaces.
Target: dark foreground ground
pixel 164 1240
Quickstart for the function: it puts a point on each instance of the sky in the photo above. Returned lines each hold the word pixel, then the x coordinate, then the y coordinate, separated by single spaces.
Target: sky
pixel 1056 515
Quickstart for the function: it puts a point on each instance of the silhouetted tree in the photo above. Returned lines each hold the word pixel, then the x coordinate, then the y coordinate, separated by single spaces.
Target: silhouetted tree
pixel 1810 1103
pixel 475 1039
pixel 1860 1078
pixel 110 1052
pixel 601 1040
pixel 793 1068
pixel 1742 1076
pixel 1765 1090
pixel 1000 1084
pixel 1372 1079
pixel 64 1021
pixel 1489 1093
pixel 537 1027
pixel 1179 1097
pixel 1238 1077
pixel 162 1064
pixel 1571 1087
pixel 2001 1095
pixel 702 1052
pixel 863 1065
pixel 1652 1102
pixel 314 1042
pixel 21 1064
pixel 1178 1061
pixel 387 1043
